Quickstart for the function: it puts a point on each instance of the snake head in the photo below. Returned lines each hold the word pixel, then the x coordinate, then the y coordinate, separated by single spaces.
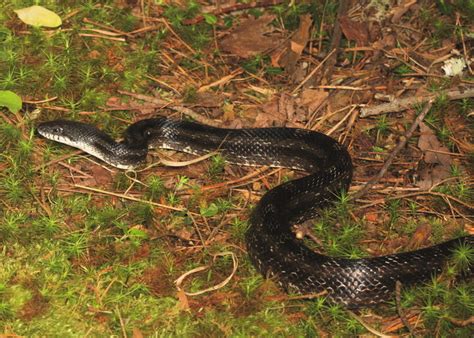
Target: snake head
pixel 67 132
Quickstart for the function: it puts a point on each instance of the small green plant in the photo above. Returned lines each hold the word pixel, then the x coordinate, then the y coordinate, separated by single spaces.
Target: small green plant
pixel 9 80
pixel 182 181
pixel 155 187
pixel 216 166
pixel 47 225
pixel 209 210
pixel 11 222
pixel 463 257
pixel 382 127
pixel 394 211
pixel 402 69
pixel 250 285
pixel 76 244
pixel 466 106
pixel 9 134
pixel 14 188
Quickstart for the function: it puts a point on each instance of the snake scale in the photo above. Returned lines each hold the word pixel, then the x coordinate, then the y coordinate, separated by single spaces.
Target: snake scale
pixel 272 246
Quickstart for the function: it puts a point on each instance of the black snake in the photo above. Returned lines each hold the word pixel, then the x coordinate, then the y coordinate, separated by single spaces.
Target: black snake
pixel 273 248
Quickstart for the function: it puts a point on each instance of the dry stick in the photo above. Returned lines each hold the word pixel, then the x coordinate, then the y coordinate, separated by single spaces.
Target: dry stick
pixel 128 197
pixel 368 327
pixel 460 322
pixel 405 103
pixel 398 291
pixel 395 151
pixel 310 75
pixel 417 193
pixel 235 262
pixel 169 105
pixel 234 8
pixel 122 323
pixel 336 41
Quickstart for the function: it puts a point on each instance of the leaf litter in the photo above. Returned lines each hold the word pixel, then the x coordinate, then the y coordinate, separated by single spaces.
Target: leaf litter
pixel 383 56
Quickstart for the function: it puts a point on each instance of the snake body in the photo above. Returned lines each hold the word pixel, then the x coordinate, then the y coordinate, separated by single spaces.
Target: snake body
pixel 272 246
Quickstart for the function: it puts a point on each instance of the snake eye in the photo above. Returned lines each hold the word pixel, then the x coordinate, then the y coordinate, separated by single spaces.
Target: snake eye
pixel 57 130
pixel 148 132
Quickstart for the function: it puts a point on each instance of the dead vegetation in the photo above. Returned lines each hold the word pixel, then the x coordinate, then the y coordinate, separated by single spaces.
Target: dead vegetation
pixel 360 71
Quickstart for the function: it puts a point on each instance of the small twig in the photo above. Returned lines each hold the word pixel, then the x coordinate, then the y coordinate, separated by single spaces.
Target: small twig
pixel 179 164
pixel 345 88
pixel 235 262
pixel 222 81
pixel 368 327
pixel 307 296
pixel 238 181
pixel 405 103
pixel 102 37
pixel 169 105
pixel 310 75
pixel 462 323
pixel 400 145
pixel 304 230
pixel 398 291
pixel 234 8
pixel 341 121
pixel 466 53
pixel 101 25
pixel 128 197
pixel 122 323
pixel 335 42
pixel 40 101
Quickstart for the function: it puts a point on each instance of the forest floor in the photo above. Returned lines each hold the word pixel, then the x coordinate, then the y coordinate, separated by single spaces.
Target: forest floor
pixel 90 250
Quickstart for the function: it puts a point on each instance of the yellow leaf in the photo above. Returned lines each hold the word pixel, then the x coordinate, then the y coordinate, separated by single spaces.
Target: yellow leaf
pixel 38 16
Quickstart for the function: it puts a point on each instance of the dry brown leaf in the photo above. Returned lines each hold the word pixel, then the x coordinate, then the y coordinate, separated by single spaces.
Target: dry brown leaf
pixel 291 54
pixel 356 31
pixel 229 112
pixel 251 37
pixel 312 99
pixel 101 175
pixel 427 142
pixel 371 217
pixel 183 300
pixel 273 113
pixel 439 164
pixel 281 111
pixel 136 333
pixel 420 237
pixel 399 11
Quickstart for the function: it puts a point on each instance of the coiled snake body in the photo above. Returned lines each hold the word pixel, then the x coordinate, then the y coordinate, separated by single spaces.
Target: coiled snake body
pixel 271 244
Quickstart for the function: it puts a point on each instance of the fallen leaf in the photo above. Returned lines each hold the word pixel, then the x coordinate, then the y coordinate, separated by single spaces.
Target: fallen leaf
pixel 438 164
pixel 251 37
pixel 420 236
pixel 38 16
pixel 290 56
pixel 398 11
pixel 276 112
pixel 312 99
pixel 10 100
pixel 136 333
pixel 101 175
pixel 371 217
pixel 353 30
pixel 431 146
pixel 183 300
pixel 229 111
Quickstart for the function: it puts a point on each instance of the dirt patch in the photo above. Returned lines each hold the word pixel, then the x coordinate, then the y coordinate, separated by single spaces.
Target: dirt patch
pixel 35 307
